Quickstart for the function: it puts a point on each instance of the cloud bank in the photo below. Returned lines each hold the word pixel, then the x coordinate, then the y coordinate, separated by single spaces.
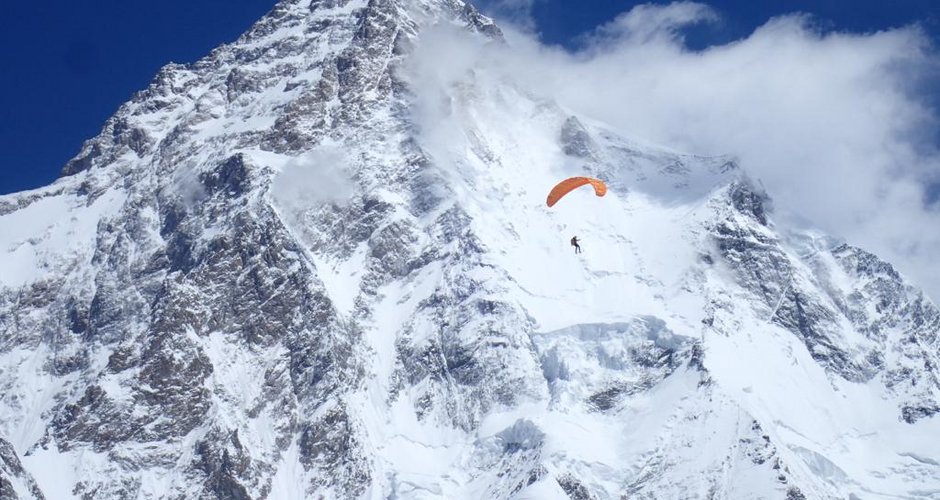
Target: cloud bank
pixel 836 126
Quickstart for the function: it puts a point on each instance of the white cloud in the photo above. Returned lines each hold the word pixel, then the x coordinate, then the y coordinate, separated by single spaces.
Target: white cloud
pixel 835 125
pixel 320 176
pixel 648 23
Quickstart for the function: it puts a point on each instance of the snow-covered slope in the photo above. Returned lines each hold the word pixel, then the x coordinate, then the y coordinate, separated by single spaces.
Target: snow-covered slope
pixel 272 276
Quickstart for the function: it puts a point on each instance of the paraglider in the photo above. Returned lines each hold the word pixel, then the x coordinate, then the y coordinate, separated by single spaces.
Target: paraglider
pixel 572 183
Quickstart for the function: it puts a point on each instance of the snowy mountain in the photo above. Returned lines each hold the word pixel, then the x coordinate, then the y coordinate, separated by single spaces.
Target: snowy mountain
pixel 311 265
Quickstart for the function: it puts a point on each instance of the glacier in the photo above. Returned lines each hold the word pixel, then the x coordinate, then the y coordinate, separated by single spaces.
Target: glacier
pixel 318 264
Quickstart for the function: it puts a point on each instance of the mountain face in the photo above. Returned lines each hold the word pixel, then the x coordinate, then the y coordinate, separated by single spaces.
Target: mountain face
pixel 273 276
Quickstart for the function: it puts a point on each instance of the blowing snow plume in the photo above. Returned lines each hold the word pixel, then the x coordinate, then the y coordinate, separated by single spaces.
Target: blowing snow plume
pixel 320 176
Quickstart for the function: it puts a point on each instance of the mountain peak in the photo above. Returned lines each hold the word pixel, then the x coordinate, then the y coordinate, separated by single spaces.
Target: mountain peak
pixel 331 59
pixel 295 268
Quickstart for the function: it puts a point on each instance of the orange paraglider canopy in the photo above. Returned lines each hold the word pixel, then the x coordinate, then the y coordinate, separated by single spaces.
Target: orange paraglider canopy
pixel 567 185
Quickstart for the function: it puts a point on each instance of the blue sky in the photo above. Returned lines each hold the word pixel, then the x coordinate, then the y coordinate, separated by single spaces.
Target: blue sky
pixel 68 65
pixel 558 21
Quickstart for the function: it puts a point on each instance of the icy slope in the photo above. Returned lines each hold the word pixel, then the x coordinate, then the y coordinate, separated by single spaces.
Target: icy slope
pixel 269 277
pixel 685 241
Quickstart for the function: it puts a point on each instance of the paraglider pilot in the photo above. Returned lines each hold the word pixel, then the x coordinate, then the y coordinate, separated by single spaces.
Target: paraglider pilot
pixel 574 243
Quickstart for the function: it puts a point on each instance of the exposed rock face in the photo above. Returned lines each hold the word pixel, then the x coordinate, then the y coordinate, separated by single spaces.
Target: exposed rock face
pixel 266 279
pixel 818 294
pixel 15 482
